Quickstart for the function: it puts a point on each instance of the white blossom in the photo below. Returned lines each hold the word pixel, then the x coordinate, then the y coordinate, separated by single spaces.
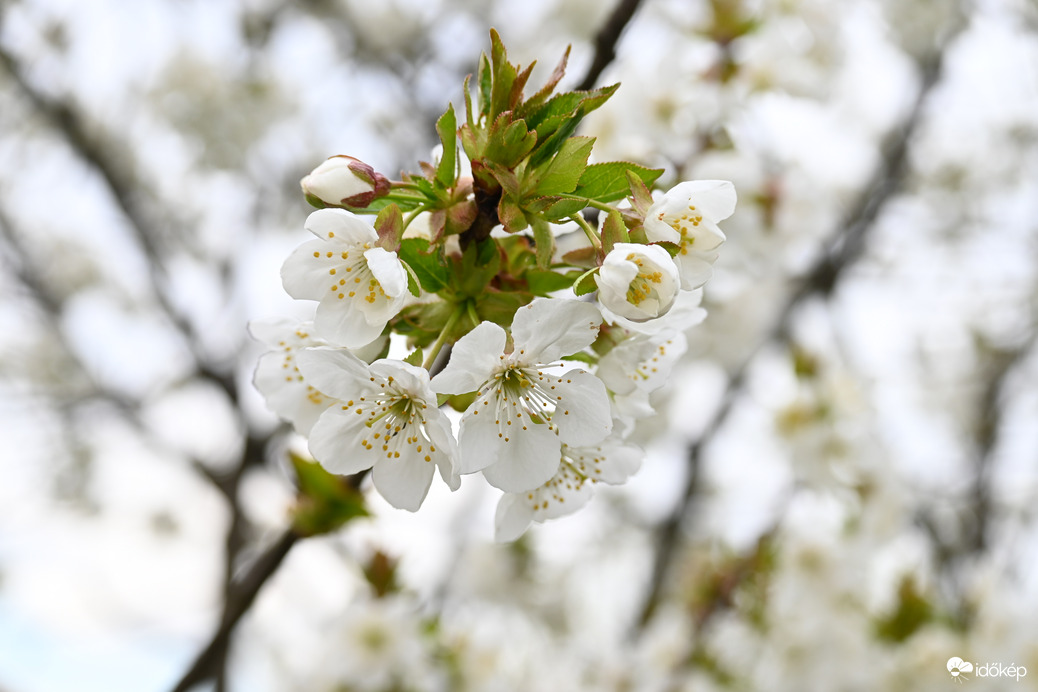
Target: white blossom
pixel 360 286
pixel 687 215
pixel 610 461
pixel 522 414
pixel 387 420
pixel 344 180
pixel 638 282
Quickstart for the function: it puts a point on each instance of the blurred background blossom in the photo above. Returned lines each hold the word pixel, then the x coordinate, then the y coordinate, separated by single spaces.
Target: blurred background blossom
pixel 840 492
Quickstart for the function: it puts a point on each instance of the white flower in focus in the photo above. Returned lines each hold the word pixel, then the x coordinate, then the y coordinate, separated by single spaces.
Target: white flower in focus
pixel 344 181
pixel 522 415
pixel 386 420
pixel 360 287
pixel 639 282
pixel 687 215
pixel 611 461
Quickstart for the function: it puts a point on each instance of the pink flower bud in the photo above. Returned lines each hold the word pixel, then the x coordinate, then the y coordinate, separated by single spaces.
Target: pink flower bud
pixel 343 181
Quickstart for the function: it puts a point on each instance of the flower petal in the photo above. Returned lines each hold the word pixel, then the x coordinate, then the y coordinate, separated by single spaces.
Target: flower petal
pixel 548 329
pixel 336 441
pixel 387 269
pixel 336 372
pixel 342 225
pixel 403 482
pixel 526 460
pixel 512 518
pixel 304 274
pixel 475 357
pixel 345 323
pixel 582 409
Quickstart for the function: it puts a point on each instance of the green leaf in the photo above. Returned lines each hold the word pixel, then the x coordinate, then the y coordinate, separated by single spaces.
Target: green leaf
pixel 499 307
pixel 413 284
pixel 504 76
pixel 545 241
pixel 485 80
pixel 326 501
pixel 509 143
pixel 511 216
pixel 542 282
pixel 447 128
pixel 563 209
pixel 475 269
pixel 563 172
pixel 641 198
pixel 586 283
pixel 427 266
pixel 570 104
pixel 582 357
pixel 607 182
pixel 553 81
pixel 416 358
pixel 553 144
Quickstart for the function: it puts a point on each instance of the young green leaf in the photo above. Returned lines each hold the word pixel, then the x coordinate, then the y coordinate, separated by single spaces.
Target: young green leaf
pixel 613 231
pixel 545 241
pixel 542 282
pixel 326 501
pixel 562 173
pixel 447 129
pixel 427 266
pixel 607 182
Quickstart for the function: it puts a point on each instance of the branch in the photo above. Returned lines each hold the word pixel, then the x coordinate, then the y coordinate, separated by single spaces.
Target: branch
pixel 845 249
pixel 606 40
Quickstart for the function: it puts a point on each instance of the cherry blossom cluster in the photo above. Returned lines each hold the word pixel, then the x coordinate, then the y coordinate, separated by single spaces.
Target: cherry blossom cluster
pixel 560 289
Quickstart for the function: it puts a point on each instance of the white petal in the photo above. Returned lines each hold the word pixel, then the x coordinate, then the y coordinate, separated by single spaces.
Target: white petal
pixel 345 323
pixel 528 459
pixel 336 438
pixel 696 268
pixel 304 276
pixel 342 225
pixel 715 199
pixel 582 411
pixel 478 441
pixel 272 331
pixel 618 461
pixel 404 482
pixel 336 372
pixel 387 269
pixel 512 518
pixel 475 357
pixel 549 328
pixel 289 397
pixel 564 494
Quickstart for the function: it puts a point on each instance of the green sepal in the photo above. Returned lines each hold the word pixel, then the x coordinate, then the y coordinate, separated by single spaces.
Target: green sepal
pixel 607 182
pixel 613 231
pixel 672 248
pixel 459 402
pixel 641 197
pixel 582 257
pixel 447 129
pixel 390 227
pixel 413 284
pixel 325 501
pixel 427 265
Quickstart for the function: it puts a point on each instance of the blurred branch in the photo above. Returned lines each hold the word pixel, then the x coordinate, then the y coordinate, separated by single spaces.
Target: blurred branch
pixel 843 251
pixel 95 150
pixel 606 39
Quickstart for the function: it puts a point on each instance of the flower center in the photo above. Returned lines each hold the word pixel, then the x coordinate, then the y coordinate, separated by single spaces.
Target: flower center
pixel 684 225
pixel 360 280
pixel 642 286
pixel 396 421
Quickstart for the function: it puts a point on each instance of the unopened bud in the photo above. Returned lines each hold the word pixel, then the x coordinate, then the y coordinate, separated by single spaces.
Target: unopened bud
pixel 343 181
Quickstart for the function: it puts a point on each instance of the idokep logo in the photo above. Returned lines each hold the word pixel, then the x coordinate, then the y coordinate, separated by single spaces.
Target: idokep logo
pixel 958 669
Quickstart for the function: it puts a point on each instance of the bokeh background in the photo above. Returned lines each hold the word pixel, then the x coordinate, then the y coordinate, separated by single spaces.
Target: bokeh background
pixel 840 485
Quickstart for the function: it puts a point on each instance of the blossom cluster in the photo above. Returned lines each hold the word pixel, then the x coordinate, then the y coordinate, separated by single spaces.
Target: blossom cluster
pixel 559 328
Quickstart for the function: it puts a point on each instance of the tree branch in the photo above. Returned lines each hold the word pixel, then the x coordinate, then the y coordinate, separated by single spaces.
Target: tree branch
pixel 606 39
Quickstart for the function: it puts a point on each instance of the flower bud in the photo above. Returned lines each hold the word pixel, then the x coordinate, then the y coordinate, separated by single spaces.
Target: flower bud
pixel 343 181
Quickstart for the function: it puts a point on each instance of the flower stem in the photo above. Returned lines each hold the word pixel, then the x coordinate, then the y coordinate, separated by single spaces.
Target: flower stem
pixel 442 338
pixel 588 231
pixel 412 215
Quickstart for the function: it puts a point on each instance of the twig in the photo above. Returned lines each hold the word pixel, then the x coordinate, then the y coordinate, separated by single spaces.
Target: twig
pixel 845 249
pixel 606 40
